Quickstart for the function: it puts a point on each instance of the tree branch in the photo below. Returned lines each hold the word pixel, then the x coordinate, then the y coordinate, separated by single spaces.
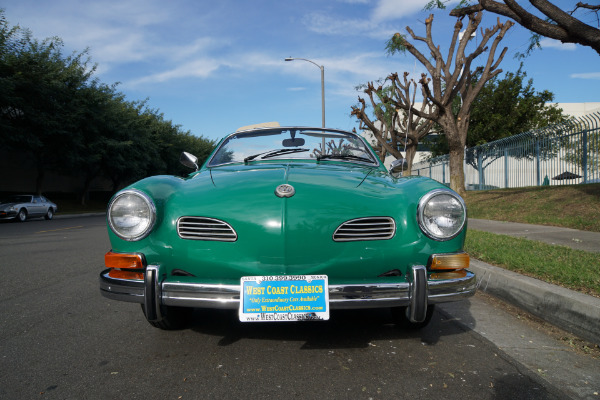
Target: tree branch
pixel 561 25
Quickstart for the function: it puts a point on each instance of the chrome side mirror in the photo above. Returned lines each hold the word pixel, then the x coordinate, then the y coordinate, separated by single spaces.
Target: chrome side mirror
pixel 397 167
pixel 189 160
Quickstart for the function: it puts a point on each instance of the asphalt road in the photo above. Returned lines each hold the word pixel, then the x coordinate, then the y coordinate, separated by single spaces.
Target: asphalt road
pixel 60 339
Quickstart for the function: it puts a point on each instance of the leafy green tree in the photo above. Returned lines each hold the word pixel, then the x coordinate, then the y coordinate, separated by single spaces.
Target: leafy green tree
pixel 37 107
pixel 11 39
pixel 171 141
pixel 106 132
pixel 64 120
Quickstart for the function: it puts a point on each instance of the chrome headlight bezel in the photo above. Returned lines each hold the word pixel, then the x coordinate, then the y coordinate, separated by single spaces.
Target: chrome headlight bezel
pixel 149 217
pixel 428 228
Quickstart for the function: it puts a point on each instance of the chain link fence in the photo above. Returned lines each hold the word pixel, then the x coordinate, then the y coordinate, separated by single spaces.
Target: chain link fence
pixel 563 154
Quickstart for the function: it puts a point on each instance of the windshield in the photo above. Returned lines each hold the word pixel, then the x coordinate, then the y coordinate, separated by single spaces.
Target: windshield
pixel 292 143
pixel 17 199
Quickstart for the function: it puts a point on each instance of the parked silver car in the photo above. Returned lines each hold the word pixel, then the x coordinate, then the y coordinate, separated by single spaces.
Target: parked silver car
pixel 26 206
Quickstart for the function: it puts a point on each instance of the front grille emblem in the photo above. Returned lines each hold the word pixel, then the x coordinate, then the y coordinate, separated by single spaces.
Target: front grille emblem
pixel 285 190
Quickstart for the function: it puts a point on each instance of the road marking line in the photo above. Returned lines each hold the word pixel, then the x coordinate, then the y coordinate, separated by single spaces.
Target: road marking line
pixel 61 229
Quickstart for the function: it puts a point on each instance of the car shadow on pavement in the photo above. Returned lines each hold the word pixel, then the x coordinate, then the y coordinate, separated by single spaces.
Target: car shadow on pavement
pixel 344 329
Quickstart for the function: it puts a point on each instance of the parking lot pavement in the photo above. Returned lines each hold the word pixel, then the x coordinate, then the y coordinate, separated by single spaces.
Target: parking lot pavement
pixel 542 349
pixel 91 214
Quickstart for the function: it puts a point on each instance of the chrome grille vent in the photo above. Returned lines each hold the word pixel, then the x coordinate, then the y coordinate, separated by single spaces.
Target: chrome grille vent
pixel 372 228
pixel 202 228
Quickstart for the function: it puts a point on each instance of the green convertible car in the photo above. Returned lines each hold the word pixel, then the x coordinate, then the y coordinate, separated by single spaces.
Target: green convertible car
pixel 286 224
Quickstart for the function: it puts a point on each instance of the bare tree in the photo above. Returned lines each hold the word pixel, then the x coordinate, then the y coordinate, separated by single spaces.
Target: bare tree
pixel 451 78
pixel 560 24
pixel 395 129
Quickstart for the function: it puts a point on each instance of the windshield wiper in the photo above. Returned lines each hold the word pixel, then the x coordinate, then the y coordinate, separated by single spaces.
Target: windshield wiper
pixel 344 157
pixel 273 153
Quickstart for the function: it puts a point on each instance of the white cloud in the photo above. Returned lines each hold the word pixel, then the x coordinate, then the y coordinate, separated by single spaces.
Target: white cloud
pixel 349 69
pixel 382 23
pixel 116 32
pixel 354 1
pixel 555 44
pixel 331 25
pixel 396 9
pixel 365 65
pixel 207 64
pixel 198 46
pixel 342 75
pixel 588 75
pixel 202 68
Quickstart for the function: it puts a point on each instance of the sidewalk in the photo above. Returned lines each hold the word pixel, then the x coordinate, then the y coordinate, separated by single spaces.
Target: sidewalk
pixel 580 240
pixel 569 310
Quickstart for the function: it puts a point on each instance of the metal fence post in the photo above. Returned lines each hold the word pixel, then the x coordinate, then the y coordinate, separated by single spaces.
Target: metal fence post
pixel 506 168
pixel 537 162
pixel 443 172
pixel 480 170
pixel 584 156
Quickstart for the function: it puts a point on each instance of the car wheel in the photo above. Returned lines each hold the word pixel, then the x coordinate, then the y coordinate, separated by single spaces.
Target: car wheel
pixel 22 215
pixel 174 318
pixel 49 214
pixel 400 317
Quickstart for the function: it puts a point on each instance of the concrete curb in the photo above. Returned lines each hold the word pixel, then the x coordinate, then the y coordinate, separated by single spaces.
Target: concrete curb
pixel 569 310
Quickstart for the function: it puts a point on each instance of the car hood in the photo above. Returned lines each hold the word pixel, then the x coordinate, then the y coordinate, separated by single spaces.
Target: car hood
pixel 324 176
pixel 280 235
pixel 246 194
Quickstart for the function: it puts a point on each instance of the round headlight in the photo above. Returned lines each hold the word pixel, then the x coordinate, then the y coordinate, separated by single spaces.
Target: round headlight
pixel 131 215
pixel 441 214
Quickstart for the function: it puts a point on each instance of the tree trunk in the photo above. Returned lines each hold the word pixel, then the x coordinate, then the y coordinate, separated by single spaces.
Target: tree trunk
pixel 89 177
pixel 85 194
pixel 456 133
pixel 411 151
pixel 40 178
pixel 457 172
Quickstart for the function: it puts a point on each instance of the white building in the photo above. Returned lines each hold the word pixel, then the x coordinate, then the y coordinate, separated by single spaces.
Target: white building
pixel 579 109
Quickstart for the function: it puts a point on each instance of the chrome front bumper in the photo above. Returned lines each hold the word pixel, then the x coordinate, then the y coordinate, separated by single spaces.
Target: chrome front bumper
pixel 155 291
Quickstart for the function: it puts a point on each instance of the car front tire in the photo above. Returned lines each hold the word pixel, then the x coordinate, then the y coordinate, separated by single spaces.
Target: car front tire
pixel 49 214
pixel 173 318
pixel 22 215
pixel 400 317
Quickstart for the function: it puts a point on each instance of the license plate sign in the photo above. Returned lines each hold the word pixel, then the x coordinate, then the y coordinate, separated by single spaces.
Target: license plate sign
pixel 284 298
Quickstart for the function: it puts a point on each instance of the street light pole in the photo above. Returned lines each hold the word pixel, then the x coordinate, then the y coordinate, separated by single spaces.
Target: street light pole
pixel 322 68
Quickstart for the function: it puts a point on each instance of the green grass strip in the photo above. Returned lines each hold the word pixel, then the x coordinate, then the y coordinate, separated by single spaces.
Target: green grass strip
pixel 573 269
pixel 575 206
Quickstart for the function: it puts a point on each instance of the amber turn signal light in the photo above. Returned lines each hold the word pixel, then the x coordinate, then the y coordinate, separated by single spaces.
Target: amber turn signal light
pixel 449 261
pixel 123 260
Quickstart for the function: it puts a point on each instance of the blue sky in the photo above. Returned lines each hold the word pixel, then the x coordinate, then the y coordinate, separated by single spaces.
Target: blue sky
pixel 214 66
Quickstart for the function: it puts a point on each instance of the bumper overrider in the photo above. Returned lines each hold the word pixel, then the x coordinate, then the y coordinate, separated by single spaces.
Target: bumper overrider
pixel 155 289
